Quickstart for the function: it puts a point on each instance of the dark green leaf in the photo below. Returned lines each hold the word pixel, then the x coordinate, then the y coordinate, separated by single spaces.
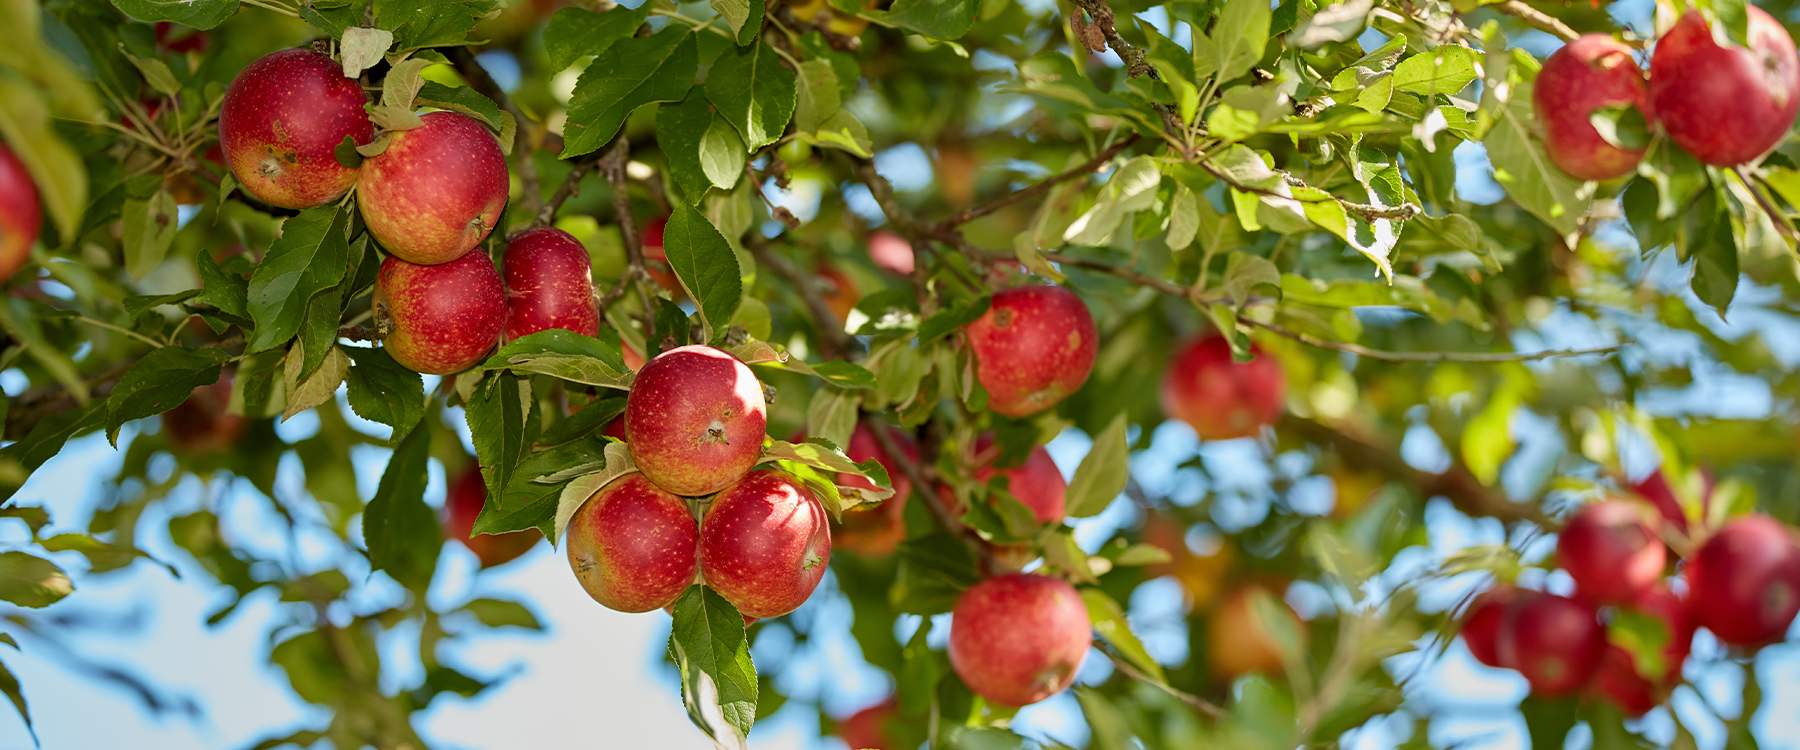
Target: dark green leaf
pixel 400 531
pixel 498 613
pixel 680 129
pixel 462 99
pixel 46 439
pixel 227 291
pixel 935 19
pixel 200 14
pixel 159 382
pixel 744 17
pixel 845 374
pixel 1716 266
pixel 496 416
pixel 754 92
pixel 718 679
pixel 1549 720
pixel 952 319
pixel 629 74
pixel 383 391
pixel 1103 472
pixel 429 23
pixel 1622 126
pixel 9 684
pixel 138 304
pixel 562 354
pixel 706 266
pixel 594 416
pixel 31 581
pixel 309 258
pixel 574 32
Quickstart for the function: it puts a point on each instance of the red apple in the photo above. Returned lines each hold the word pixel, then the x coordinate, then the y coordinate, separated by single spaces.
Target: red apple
pixel 1744 582
pixel 1614 557
pixel 280 125
pixel 1037 483
pixel 20 215
pixel 437 190
pixel 891 253
pixel 461 507
pixel 1221 398
pixel 1725 105
pixel 1238 640
pixel 1554 641
pixel 1590 73
pixel 695 420
pixel 659 270
pixel 1481 626
pixel 764 544
pixel 1656 489
pixel 1033 347
pixel 200 424
pixel 1618 679
pixel 878 530
pixel 440 319
pixel 549 284
pixel 1020 638
pixel 633 545
pixel 867 729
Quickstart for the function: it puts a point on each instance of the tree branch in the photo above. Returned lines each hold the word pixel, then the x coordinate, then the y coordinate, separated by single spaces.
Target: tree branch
pixel 1040 188
pixel 1537 19
pixel 484 84
pixel 927 488
pixel 613 167
pixel 834 343
pixel 1776 217
pixel 1392 356
pixel 1136 62
pixel 1124 666
pixel 570 187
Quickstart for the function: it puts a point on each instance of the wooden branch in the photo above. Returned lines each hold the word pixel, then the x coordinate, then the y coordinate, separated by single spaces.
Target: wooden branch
pixel 834 342
pixel 612 166
pixel 1136 62
pixel 1776 217
pixel 1124 666
pixel 1401 212
pixel 1537 19
pixel 926 487
pixel 1392 356
pixel 1040 188
pixel 570 187
pixel 484 84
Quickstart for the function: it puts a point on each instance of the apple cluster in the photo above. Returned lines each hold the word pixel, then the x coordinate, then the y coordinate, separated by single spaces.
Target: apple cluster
pixel 1725 104
pixel 696 511
pixel 1741 582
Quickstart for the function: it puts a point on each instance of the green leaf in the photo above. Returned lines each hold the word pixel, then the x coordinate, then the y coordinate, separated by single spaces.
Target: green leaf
pixel 831 415
pixel 1132 188
pixel 574 32
pixel 1446 69
pixel 1103 472
pixel 563 354
pixel 31 581
pixel 744 17
pixel 1549 719
pixel 831 460
pixel 754 92
pixel 706 266
pixel 1245 272
pixel 429 23
pixel 1715 270
pixel 1487 439
pixel 1238 38
pixel 200 14
pixel 933 19
pixel 1522 167
pixel 360 49
pixel 462 99
pixel 148 229
pixel 952 319
pixel 593 417
pixel 138 304
pixel 227 291
pixel 45 440
pixel 845 374
pixel 399 529
pixel 681 131
pixel 310 257
pixel 1109 728
pixel 579 490
pixel 499 613
pixel 311 390
pixel 383 391
pixel 718 678
pixel 1184 218
pixel 629 74
pixel 159 382
pixel 1335 23
pixel 497 415
pixel 1621 126
pixel 20 318
pixel 9 684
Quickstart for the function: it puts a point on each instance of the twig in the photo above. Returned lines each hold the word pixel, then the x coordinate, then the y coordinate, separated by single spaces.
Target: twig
pixel 530 192
pixel 1537 19
pixel 1401 212
pixel 1125 667
pixel 927 489
pixel 1392 356
pixel 1087 168
pixel 907 225
pixel 1136 62
pixel 119 329
pixel 834 343
pixel 612 166
pixel 570 187
pixel 1776 217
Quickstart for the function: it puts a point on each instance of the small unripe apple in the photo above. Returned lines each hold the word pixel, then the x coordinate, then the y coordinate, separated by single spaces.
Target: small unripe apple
pixel 695 420
pixel 652 241
pixel 549 284
pixel 1744 582
pixel 891 253
pixel 1553 641
pixel 1725 105
pixel 1220 398
pixel 441 319
pixel 437 190
pixel 1593 72
pixel 878 530
pixel 1020 638
pixel 200 424
pixel 1618 678
pixel 764 544
pixel 1238 640
pixel 1614 557
pixel 867 729
pixel 633 545
pixel 462 505
pixel 20 213
pixel 281 122
pixel 1033 347
pixel 1037 483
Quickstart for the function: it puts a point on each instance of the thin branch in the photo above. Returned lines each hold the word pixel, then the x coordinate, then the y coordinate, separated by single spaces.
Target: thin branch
pixel 1392 356
pixel 1401 212
pixel 1136 62
pixel 927 489
pixel 119 329
pixel 1776 217
pixel 834 343
pixel 612 166
pixel 481 82
pixel 1125 667
pixel 1040 188
pixel 1537 19
pixel 907 225
pixel 570 187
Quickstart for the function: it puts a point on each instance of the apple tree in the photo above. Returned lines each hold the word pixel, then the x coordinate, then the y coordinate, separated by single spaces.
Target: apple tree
pixel 727 299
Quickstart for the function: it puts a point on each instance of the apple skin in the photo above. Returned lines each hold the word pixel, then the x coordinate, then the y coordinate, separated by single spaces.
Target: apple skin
pixel 549 284
pixel 1590 73
pixel 764 544
pixel 891 253
pixel 1614 557
pixel 1725 105
pixel 1037 483
pixel 1618 679
pixel 1020 638
pixel 695 420
pixel 462 505
pixel 281 122
pixel 652 241
pixel 200 424
pixel 1481 627
pixel 867 729
pixel 1555 642
pixel 879 530
pixel 1238 640
pixel 1744 582
pixel 1220 398
pixel 21 217
pixel 442 318
pixel 1033 347
pixel 437 190
pixel 633 545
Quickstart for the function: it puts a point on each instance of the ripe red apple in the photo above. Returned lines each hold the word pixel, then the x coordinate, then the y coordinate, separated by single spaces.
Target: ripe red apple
pixel 200 424
pixel 867 729
pixel 437 190
pixel 440 319
pixel 1744 582
pixel 1553 641
pixel 280 125
pixel 1037 483
pixel 695 420
pixel 549 284
pixel 1590 73
pixel 764 544
pixel 1614 557
pixel 1618 679
pixel 1220 398
pixel 633 545
pixel 1033 347
pixel 1020 638
pixel 878 530
pixel 1725 105
pixel 462 504
pixel 891 253
pixel 1238 640
pixel 1481 626
pixel 20 214
pixel 652 241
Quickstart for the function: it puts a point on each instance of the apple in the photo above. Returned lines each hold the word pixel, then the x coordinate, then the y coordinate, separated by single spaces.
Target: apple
pixel 1618 679
pixel 1037 483
pixel 1725 105
pixel 1019 638
pixel 841 294
pixel 633 545
pixel 1656 489
pixel 764 543
pixel 549 284
pixel 1614 557
pixel 1238 637
pixel 462 504
pixel 1744 581
pixel 440 319
pixel 281 122
pixel 20 213
pixel 867 729
pixel 437 190
pixel 1555 642
pixel 875 531
pixel 1591 73
pixel 891 253
pixel 652 241
pixel 695 420
pixel 175 38
pixel 1033 347
pixel 200 424
pixel 1221 398
pixel 1481 626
